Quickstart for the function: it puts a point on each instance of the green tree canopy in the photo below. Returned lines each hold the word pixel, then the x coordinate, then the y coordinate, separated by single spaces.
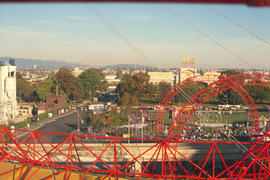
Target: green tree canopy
pixel 152 91
pixel 91 81
pixel 132 88
pixel 24 88
pixel 259 94
pixel 45 88
pixel 67 83
pixel 184 95
pixel 229 96
pixel 164 88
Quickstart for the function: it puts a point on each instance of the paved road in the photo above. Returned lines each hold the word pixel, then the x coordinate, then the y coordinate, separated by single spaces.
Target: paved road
pixel 67 124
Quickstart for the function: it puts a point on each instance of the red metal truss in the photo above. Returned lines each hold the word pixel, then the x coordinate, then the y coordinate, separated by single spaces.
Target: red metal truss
pixel 256 162
pixel 157 158
pixel 115 158
pixel 232 82
pixel 180 87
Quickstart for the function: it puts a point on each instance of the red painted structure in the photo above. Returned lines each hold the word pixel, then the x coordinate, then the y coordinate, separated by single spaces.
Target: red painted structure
pixel 232 82
pixel 160 159
pixel 208 92
pixel 164 161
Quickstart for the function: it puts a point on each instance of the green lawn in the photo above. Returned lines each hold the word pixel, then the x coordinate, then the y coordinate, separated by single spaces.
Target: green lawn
pixel 216 118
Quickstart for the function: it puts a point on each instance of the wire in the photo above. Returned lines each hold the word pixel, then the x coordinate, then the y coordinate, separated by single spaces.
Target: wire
pixel 139 52
pixel 119 34
pixel 245 28
pixel 132 46
pixel 52 75
pixel 135 49
pixel 206 35
pixel 38 53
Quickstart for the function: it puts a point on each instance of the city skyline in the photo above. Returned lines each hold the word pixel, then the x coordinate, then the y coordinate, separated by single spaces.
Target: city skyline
pixel 72 32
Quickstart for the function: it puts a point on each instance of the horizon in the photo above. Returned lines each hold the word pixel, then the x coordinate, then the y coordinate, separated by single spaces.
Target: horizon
pixel 139 66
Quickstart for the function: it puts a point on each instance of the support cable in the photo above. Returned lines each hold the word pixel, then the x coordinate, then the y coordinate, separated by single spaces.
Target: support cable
pixel 207 36
pixel 52 74
pixel 245 28
pixel 133 47
pixel 141 54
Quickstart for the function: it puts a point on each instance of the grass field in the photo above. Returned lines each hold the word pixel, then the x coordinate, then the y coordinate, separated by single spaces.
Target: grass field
pixel 216 118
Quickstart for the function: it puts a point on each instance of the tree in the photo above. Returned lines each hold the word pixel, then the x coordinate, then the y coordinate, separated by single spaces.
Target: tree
pixel 67 83
pixel 152 91
pixel 184 95
pixel 259 94
pixel 45 88
pixel 132 88
pixel 24 88
pixel 108 118
pixel 90 82
pixel 229 96
pixel 164 88
pixel 119 74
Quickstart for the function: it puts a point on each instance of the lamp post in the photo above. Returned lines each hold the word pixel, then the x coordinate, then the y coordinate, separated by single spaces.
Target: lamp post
pixel 128 129
pixel 142 125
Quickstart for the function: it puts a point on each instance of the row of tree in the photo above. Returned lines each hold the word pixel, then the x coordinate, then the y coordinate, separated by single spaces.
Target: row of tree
pixel 259 94
pixel 85 86
pixel 133 89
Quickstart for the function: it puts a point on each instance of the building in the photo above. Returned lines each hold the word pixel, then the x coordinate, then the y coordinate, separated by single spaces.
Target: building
pixel 95 106
pixel 188 69
pixel 8 102
pixel 112 81
pixel 52 102
pixel 77 71
pixel 157 77
pixel 25 109
pixel 209 77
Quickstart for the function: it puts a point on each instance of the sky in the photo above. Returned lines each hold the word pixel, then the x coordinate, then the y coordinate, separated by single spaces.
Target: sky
pixel 152 34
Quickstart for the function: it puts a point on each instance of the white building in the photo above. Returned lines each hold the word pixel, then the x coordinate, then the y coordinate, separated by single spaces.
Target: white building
pixel 157 77
pixel 188 69
pixel 209 77
pixel 112 81
pixel 98 106
pixel 8 102
pixel 77 71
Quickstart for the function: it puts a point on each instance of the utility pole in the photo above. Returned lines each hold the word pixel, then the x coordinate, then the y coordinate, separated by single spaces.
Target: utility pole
pixel 78 120
pixel 142 125
pixel 128 129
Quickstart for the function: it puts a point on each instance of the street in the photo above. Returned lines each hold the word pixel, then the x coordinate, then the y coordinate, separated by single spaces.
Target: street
pixel 66 124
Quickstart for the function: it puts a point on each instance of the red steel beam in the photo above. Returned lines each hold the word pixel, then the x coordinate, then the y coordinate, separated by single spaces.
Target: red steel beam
pixel 162 149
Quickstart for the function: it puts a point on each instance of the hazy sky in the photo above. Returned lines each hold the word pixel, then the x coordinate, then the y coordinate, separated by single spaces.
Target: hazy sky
pixel 72 32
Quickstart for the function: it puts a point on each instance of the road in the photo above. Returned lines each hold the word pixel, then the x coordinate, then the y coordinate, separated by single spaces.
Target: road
pixel 66 124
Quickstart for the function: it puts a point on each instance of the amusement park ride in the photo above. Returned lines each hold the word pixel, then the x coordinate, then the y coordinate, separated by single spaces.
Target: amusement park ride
pixel 164 157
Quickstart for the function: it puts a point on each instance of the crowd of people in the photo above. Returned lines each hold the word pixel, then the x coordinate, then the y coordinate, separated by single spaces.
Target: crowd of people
pixel 197 132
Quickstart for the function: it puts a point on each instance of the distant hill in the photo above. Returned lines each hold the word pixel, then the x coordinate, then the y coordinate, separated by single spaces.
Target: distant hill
pixel 125 66
pixel 22 63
